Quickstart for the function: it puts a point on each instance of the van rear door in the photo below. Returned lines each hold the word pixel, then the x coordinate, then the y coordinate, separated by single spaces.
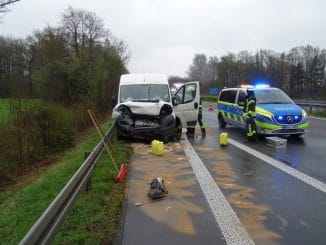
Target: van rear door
pixel 187 98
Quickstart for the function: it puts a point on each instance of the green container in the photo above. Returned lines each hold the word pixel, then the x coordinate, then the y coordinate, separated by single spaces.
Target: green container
pixel 223 138
pixel 157 147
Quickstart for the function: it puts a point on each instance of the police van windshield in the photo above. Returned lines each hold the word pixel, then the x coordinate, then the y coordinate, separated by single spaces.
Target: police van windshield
pixel 144 93
pixel 272 96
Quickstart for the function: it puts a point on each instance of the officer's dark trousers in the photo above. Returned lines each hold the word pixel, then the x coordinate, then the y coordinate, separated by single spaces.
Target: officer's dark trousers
pixel 201 124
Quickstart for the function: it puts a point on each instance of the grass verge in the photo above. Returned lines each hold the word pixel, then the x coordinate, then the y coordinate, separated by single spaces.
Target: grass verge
pixel 5 106
pixel 209 98
pixel 4 109
pixel 95 214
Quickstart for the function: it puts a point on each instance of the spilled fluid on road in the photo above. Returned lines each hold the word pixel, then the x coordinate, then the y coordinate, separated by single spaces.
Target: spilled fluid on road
pixel 251 214
pixel 176 209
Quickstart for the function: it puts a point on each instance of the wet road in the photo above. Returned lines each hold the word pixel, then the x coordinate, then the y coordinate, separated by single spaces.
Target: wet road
pixel 243 193
pixel 273 206
pixel 182 217
pixel 307 153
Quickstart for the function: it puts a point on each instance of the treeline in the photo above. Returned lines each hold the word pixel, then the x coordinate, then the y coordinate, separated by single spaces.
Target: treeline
pixel 76 62
pixel 300 72
pixel 51 77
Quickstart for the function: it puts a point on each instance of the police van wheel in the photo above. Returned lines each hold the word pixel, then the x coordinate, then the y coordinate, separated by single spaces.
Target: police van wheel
pixel 295 136
pixel 221 121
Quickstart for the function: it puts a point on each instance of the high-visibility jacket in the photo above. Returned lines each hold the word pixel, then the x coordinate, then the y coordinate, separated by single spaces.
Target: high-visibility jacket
pixel 250 107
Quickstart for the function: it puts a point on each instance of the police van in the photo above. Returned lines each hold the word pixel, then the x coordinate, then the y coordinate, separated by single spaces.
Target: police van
pixel 276 113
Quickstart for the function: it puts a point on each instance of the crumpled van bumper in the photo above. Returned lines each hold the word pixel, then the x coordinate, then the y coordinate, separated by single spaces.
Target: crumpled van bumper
pixel 157 129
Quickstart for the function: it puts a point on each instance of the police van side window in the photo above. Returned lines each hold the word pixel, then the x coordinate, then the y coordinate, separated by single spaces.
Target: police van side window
pixel 228 96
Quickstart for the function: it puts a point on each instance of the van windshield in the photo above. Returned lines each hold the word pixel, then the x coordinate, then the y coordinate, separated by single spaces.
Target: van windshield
pixel 144 93
pixel 272 96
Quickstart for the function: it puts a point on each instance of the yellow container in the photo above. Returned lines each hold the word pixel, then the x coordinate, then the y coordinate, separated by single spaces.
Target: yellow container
pixel 223 138
pixel 157 147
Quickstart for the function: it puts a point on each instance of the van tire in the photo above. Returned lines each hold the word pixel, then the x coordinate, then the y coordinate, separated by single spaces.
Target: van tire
pixel 119 135
pixel 178 130
pixel 221 121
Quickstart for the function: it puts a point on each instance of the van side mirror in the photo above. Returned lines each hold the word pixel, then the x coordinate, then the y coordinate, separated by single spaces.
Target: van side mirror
pixel 113 101
pixel 174 101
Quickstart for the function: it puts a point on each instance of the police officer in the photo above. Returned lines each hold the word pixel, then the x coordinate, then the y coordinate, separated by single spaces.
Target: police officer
pixel 250 114
pixel 200 119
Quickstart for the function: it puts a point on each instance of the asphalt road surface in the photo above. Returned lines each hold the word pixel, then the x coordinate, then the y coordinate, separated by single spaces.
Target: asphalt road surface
pixel 242 193
pixel 277 204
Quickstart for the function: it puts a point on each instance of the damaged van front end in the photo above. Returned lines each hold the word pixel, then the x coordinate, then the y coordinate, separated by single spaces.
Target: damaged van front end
pixel 145 120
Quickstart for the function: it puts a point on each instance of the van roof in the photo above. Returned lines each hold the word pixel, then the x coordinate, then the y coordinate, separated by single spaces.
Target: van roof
pixel 143 78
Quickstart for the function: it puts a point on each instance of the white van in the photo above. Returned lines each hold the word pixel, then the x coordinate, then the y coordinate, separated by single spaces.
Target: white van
pixel 144 108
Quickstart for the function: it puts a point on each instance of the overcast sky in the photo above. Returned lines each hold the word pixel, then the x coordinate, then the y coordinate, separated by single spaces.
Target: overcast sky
pixel 164 35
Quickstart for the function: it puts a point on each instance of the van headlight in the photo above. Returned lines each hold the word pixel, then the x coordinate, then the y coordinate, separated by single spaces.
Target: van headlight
pixel 304 114
pixel 265 116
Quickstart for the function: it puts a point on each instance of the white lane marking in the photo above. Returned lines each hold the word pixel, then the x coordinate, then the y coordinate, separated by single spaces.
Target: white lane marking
pixel 229 223
pixel 281 166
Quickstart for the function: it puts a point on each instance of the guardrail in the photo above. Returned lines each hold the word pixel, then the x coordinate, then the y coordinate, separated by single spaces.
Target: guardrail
pixel 311 104
pixel 43 231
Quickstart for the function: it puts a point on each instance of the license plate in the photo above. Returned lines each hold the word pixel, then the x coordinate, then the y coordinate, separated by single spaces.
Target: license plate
pixel 290 127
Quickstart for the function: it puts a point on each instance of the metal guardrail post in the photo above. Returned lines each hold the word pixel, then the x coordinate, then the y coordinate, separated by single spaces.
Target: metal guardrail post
pixel 44 229
pixel 89 180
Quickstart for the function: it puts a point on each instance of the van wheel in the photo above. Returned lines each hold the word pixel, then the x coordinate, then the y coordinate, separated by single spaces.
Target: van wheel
pixel 178 133
pixel 221 121
pixel 119 135
pixel 178 130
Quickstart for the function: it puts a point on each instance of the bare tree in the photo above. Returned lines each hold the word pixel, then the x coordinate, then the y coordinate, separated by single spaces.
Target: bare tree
pixel 4 4
pixel 198 68
pixel 94 28
pixel 83 28
pixel 72 24
pixel 121 48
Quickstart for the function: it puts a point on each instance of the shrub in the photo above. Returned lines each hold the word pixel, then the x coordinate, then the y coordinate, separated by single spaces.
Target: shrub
pixel 34 130
pixel 209 98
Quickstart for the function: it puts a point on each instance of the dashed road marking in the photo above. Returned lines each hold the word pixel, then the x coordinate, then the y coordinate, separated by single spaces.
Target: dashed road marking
pixel 281 166
pixel 229 223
